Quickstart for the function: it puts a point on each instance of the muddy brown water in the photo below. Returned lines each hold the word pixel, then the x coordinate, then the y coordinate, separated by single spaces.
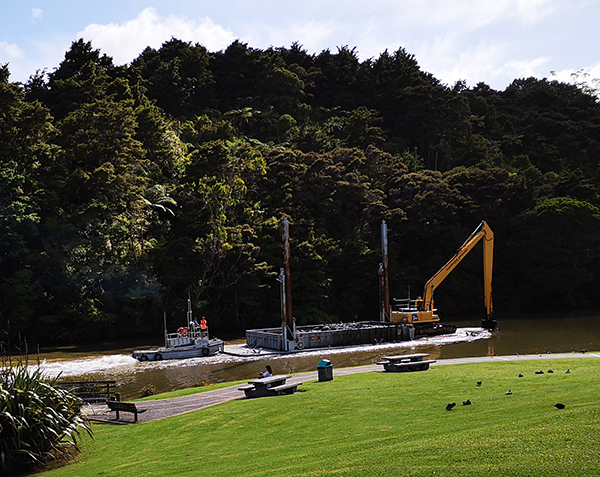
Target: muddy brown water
pixel 516 336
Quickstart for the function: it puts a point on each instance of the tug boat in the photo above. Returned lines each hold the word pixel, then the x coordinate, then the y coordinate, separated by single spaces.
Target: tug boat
pixel 190 341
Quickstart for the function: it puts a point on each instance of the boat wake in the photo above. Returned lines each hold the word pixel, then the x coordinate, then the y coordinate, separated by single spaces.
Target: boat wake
pixel 80 367
pixel 462 335
pixel 120 363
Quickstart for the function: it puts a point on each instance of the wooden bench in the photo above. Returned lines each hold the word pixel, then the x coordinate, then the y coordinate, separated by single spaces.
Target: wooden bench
pixel 91 391
pixel 119 406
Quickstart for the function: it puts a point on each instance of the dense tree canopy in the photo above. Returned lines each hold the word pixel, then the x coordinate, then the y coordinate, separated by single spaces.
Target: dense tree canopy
pixel 124 189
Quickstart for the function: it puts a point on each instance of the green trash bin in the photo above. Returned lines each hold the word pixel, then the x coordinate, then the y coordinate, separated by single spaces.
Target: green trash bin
pixel 325 370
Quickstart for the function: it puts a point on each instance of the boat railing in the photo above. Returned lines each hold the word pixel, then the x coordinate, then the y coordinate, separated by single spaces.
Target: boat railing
pixel 186 335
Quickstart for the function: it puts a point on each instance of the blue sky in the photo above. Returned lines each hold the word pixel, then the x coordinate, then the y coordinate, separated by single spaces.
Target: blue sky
pixel 494 41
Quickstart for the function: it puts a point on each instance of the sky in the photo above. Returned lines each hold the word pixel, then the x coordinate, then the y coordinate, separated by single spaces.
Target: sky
pixel 490 41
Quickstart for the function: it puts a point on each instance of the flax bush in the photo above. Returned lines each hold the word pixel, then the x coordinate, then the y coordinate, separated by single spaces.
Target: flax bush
pixel 38 421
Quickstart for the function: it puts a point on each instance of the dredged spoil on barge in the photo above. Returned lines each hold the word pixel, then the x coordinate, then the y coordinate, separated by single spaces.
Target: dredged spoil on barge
pixel 345 334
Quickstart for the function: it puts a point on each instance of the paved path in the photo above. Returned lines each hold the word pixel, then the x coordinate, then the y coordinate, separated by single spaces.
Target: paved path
pixel 162 408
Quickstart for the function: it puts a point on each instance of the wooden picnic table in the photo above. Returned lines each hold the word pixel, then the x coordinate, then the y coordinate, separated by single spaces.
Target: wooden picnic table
pixel 270 386
pixel 406 362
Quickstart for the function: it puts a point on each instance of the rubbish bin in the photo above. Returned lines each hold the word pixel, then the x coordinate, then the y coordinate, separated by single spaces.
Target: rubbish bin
pixel 325 369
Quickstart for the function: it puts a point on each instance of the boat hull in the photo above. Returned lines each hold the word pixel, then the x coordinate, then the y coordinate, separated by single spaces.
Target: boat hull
pixel 180 352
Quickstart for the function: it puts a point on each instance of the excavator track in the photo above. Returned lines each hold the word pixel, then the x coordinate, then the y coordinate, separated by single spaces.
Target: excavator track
pixel 433 329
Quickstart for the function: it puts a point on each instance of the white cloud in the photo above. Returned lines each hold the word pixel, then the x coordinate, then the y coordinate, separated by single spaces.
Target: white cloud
pixel 9 51
pixel 36 13
pixel 532 11
pixel 311 34
pixel 447 59
pixel 524 68
pixel 590 76
pixel 467 15
pixel 126 41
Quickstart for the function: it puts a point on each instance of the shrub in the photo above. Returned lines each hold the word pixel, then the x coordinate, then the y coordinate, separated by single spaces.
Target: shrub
pixel 148 390
pixel 37 420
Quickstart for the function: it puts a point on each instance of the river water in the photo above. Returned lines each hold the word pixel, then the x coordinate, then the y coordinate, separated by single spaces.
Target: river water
pixel 516 336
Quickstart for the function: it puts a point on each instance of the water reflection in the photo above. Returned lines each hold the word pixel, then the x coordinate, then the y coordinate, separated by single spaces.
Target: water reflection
pixel 516 336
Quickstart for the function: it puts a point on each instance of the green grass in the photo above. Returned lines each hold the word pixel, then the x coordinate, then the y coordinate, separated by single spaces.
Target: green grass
pixel 376 424
pixel 190 391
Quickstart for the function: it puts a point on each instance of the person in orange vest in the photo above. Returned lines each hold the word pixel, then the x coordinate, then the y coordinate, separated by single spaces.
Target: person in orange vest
pixel 203 327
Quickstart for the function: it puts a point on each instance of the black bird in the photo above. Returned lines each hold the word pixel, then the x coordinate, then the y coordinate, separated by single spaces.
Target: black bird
pixel 508 393
pixel 568 371
pixel 559 405
pixel 450 406
pixel 550 371
pixel 520 375
pixel 539 372
pixel 467 402
pixel 478 383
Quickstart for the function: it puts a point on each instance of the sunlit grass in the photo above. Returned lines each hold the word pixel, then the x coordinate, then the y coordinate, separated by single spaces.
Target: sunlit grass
pixel 377 424
pixel 190 391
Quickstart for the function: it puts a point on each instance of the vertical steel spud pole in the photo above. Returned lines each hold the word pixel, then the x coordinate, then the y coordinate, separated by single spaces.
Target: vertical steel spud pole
pixel 385 284
pixel 287 312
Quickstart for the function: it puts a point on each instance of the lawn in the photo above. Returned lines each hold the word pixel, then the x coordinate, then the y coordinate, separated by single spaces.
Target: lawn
pixel 376 424
pixel 190 391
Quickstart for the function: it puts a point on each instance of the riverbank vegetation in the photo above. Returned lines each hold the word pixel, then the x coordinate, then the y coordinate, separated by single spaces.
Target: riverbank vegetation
pixel 125 188
pixel 373 424
pixel 38 421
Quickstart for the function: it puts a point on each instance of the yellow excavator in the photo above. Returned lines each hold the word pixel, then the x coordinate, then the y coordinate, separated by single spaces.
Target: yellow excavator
pixel 422 314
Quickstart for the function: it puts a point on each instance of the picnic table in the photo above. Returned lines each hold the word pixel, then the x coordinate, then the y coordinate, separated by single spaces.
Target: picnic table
pixel 406 362
pixel 271 386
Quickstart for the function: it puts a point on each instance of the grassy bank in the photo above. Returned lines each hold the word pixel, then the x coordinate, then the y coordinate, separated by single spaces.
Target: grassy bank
pixel 376 424
pixel 190 391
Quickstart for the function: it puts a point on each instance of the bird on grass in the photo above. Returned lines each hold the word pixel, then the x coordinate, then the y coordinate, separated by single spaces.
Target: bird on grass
pixel 520 375
pixel 478 384
pixel 539 372
pixel 467 402
pixel 559 405
pixel 550 371
pixel 568 371
pixel 450 406
pixel 509 392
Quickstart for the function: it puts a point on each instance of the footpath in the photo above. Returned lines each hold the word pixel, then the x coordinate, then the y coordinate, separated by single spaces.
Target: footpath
pixel 162 408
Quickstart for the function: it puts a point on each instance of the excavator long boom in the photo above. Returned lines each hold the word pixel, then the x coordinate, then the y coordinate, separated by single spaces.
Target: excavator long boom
pixel 482 232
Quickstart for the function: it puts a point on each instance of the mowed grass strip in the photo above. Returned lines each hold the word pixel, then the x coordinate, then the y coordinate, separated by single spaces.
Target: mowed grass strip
pixel 190 391
pixel 377 424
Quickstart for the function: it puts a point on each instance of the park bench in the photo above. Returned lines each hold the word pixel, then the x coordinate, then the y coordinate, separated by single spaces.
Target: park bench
pixel 119 406
pixel 91 391
pixel 272 386
pixel 285 389
pixel 406 362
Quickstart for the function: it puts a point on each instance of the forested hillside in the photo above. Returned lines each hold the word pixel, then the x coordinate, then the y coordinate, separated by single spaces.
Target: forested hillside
pixel 124 188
